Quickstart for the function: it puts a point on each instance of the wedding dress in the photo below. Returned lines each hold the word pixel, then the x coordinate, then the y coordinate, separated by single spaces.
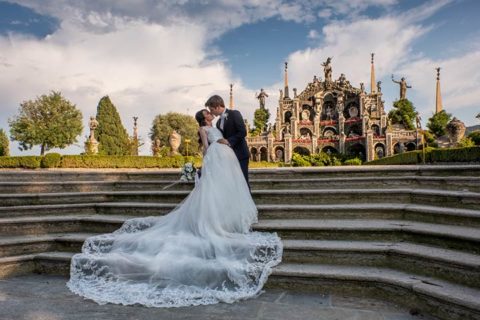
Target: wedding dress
pixel 200 253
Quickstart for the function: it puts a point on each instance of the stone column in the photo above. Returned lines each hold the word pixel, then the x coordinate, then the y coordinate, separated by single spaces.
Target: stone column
pixel 278 124
pixel 316 125
pixel 288 148
pixel 369 146
pixel 314 143
pixel 341 123
pixel 389 144
pixel 270 151
pixel 341 142
pixel 383 124
pixel 296 108
pixel 294 129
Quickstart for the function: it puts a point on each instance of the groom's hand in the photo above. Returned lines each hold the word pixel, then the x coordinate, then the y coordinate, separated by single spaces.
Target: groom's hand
pixel 223 141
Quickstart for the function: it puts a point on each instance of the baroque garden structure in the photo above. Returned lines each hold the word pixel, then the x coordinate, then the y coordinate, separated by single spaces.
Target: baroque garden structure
pixel 334 117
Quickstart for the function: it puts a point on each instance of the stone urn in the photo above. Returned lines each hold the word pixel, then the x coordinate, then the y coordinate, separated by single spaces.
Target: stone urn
pixel 455 130
pixel 174 140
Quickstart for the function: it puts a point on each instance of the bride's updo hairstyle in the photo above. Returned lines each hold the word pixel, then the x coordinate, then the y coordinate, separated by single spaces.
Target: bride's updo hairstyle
pixel 200 118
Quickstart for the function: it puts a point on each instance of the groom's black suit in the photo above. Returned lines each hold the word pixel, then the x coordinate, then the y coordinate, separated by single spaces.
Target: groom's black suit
pixel 235 132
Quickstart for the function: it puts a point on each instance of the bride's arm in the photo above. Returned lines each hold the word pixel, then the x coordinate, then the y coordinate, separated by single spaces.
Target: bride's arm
pixel 203 137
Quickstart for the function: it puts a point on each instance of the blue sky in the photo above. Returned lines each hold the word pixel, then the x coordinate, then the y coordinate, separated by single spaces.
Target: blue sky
pixel 153 57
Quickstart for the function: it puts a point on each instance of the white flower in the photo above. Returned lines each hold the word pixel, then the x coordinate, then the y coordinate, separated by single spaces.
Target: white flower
pixel 188 172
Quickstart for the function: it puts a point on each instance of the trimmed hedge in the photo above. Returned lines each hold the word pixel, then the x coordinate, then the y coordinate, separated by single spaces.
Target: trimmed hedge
pixel 51 160
pixel 84 161
pixel 469 154
pixel 26 162
pixel 323 159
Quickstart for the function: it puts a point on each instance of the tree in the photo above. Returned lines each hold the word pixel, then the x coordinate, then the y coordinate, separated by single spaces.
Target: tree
pixel 4 144
pixel 260 121
pixel 403 113
pixel 111 134
pixel 437 124
pixel 50 121
pixel 475 137
pixel 466 142
pixel 185 125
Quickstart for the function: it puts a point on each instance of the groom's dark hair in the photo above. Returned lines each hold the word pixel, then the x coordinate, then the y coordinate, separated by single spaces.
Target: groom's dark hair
pixel 215 101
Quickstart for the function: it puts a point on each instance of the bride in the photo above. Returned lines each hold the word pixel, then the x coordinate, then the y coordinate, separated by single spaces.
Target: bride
pixel 200 253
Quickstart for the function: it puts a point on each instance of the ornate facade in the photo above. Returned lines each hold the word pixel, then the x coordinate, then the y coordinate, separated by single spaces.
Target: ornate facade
pixel 334 117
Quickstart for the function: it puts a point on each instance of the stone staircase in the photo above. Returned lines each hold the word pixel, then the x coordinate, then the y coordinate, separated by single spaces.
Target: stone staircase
pixel 409 234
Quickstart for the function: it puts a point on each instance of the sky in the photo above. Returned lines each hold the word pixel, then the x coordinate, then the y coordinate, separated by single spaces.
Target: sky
pixel 155 56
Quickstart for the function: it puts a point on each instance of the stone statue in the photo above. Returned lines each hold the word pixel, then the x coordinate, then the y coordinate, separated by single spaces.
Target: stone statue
pixel 279 155
pixel 261 98
pixel 156 146
pixel 362 87
pixel 174 140
pixel 418 121
pixel 305 115
pixel 135 128
pixel 379 86
pixel 281 94
pixel 342 80
pixel 380 153
pixel 294 92
pixel 91 145
pixel 93 124
pixel 403 87
pixel 328 69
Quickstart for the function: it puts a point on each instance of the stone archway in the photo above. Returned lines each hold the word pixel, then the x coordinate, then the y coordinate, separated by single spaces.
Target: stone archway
pixel 305 133
pixel 279 154
pixel 399 147
pixel 357 150
pixel 411 146
pixel 329 150
pixel 287 116
pixel 302 151
pixel 253 154
pixel 263 154
pixel 379 150
pixel 329 132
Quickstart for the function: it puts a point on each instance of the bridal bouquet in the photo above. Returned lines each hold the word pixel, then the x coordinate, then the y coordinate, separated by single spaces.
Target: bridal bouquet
pixel 188 172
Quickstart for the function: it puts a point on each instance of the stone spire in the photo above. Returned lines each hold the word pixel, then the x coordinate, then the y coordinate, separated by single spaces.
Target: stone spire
pixel 438 97
pixel 231 97
pixel 285 94
pixel 373 85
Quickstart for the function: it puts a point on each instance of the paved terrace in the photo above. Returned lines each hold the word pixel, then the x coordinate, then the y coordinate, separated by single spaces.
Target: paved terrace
pixel 45 297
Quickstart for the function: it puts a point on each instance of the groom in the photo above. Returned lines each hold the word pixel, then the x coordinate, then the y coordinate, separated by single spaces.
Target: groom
pixel 233 128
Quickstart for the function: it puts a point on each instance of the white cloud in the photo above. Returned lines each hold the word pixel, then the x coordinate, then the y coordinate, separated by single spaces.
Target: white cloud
pixel 391 38
pixel 146 69
pixel 460 84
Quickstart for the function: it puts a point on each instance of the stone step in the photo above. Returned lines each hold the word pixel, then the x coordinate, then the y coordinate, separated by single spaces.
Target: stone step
pixel 31 244
pixel 445 183
pixel 454 199
pixel 442 299
pixel 263 173
pixel 428 295
pixel 451 265
pixel 443 236
pixel 387 211
pixel 460 238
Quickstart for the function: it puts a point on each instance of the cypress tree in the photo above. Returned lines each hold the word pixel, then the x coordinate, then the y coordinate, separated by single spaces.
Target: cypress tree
pixel 4 144
pixel 111 134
